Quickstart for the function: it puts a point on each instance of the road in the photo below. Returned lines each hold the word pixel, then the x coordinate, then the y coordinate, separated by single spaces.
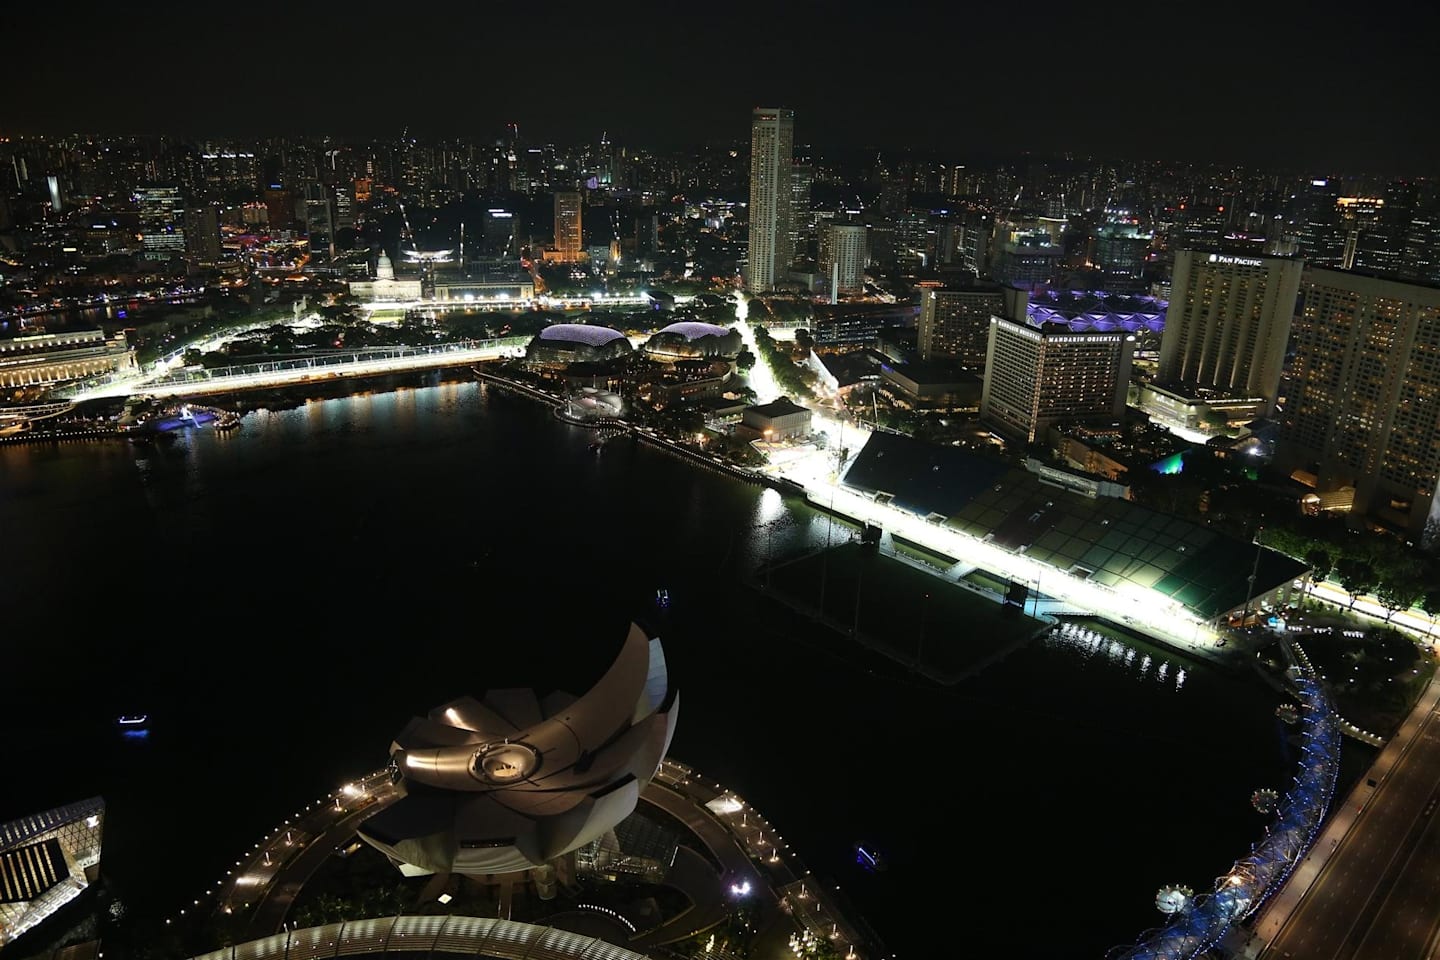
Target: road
pixel 163 382
pixel 1413 619
pixel 1370 888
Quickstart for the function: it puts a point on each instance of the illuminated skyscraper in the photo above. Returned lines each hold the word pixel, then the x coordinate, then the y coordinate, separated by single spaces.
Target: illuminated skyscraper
pixel 1366 406
pixel 1037 377
pixel 568 243
pixel 844 265
pixel 772 136
pixel 162 232
pixel 1227 323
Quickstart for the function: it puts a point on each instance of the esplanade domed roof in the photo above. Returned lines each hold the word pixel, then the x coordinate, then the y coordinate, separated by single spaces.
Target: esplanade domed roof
pixel 694 329
pixel 590 334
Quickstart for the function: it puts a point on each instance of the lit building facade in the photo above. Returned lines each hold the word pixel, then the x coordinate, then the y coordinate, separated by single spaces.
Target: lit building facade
pixel 772 145
pixel 782 419
pixel 569 245
pixel 1121 250
pixel 845 260
pixel 385 286
pixel 50 358
pixel 202 234
pixel 162 231
pixel 1227 323
pixel 955 322
pixel 1366 406
pixel 47 860
pixel 1036 378
pixel 1031 260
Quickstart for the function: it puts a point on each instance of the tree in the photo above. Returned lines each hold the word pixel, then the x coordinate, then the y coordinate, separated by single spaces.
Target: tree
pixel 1321 564
pixel 804 340
pixel 745 360
pixel 1399 592
pixel 1357 576
pixel 1430 603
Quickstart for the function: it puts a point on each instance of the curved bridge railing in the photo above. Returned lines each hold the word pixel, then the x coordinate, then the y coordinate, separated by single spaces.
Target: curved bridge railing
pixel 1298 817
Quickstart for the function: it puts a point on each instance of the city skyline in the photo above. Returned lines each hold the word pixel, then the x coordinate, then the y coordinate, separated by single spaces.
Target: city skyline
pixel 1137 83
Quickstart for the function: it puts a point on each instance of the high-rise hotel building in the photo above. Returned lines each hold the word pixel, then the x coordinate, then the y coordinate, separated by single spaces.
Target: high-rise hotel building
pixel 1366 406
pixel 1039 377
pixel 1227 324
pixel 772 144
pixel 569 245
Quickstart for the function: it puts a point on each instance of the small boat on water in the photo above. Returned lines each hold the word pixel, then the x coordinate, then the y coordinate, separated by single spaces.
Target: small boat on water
pixel 133 726
pixel 869 858
pixel 227 422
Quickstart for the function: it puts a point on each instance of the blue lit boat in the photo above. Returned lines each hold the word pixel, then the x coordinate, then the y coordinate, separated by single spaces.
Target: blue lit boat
pixel 869 858
pixel 133 726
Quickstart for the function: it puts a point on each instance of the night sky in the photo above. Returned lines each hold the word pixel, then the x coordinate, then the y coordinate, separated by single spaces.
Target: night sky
pixel 1289 85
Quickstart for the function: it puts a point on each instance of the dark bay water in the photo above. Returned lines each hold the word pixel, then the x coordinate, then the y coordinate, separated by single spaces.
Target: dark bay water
pixel 282 599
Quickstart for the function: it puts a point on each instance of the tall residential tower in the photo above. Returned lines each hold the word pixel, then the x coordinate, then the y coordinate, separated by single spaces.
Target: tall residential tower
pixel 772 137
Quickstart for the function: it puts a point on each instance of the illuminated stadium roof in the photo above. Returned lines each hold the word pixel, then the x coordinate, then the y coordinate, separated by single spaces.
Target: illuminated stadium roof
pixel 416 936
pixel 1105 540
pixel 1082 310
pixel 590 334
pixel 694 329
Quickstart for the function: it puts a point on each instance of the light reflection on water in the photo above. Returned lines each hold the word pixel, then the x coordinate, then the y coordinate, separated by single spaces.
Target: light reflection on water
pixel 1092 645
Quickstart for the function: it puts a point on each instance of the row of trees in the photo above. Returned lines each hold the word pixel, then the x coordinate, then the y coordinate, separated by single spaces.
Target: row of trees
pixel 1364 565
pixel 794 379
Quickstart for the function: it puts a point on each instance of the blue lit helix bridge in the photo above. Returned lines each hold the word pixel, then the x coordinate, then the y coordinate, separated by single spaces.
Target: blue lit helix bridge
pixel 1298 817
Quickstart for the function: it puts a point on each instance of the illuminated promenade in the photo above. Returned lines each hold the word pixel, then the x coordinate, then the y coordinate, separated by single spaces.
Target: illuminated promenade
pixel 755 862
pixel 280 373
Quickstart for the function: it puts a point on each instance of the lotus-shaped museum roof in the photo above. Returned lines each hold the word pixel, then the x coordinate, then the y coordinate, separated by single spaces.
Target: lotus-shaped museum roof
pixel 511 781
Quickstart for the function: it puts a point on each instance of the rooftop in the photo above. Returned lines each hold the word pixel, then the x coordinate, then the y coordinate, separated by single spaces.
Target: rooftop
pixel 595 336
pixel 694 329
pixel 779 408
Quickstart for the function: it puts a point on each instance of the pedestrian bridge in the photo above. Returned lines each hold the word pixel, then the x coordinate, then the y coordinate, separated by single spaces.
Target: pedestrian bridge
pixel 1237 894
pixel 17 419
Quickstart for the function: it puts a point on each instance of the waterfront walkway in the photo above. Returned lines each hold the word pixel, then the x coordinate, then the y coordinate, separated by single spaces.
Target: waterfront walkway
pixel 262 888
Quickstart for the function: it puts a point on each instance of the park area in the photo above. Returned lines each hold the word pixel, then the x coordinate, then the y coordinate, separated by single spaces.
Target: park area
pixel 1374 674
